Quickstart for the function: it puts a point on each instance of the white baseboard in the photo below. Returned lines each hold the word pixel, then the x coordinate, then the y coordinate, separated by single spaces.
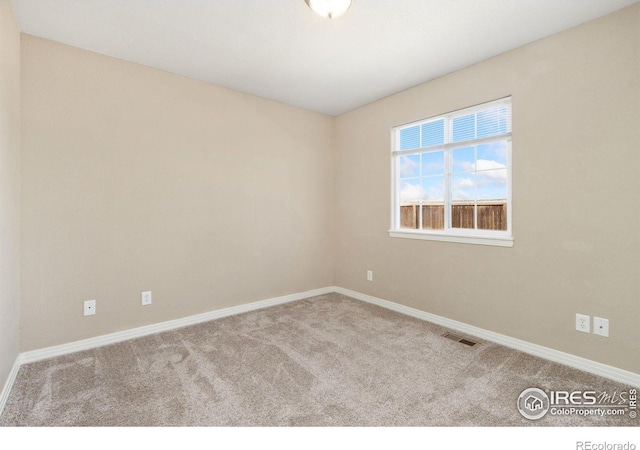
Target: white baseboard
pixel 587 365
pixel 99 341
pixel 613 373
pixel 4 394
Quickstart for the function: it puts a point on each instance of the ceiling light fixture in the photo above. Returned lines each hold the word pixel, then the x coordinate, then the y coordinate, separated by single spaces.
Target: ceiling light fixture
pixel 329 8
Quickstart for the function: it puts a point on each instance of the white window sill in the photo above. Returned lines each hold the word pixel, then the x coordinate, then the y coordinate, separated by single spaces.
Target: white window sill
pixel 498 241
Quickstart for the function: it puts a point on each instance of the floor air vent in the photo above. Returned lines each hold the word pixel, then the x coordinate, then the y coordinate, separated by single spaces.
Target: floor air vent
pixel 455 337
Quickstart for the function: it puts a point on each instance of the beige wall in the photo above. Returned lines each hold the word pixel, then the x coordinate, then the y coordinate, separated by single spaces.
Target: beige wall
pixel 9 190
pixel 135 179
pixel 576 190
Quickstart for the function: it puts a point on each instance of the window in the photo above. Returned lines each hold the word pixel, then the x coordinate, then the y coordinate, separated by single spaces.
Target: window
pixel 452 176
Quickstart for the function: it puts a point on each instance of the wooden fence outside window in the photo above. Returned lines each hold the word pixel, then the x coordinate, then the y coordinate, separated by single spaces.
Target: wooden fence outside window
pixel 492 215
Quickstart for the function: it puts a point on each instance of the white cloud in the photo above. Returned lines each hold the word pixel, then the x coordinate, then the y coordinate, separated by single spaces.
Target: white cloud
pixel 461 183
pixel 434 193
pixel 492 173
pixel 414 192
pixel 409 192
pixel 488 164
pixel 409 167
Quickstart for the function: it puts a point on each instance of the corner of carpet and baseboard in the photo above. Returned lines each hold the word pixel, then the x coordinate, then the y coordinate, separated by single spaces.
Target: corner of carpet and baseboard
pixel 119 336
pixel 567 359
pixel 8 385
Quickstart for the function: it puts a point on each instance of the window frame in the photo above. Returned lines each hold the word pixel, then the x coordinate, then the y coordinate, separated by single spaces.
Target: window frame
pixel 502 238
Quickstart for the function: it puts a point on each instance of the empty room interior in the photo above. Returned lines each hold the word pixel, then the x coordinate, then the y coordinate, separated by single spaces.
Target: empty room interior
pixel 245 213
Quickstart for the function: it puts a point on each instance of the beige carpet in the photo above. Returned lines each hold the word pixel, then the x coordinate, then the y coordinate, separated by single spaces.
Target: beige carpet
pixel 325 361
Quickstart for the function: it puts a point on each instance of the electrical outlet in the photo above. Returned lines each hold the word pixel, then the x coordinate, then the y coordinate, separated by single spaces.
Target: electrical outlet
pixel 146 298
pixel 89 307
pixel 583 323
pixel 369 275
pixel 601 326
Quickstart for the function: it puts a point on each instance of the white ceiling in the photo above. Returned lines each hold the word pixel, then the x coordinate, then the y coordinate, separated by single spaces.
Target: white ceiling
pixel 280 50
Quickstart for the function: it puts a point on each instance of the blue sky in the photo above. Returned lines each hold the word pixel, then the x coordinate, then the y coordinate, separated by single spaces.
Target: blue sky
pixel 478 172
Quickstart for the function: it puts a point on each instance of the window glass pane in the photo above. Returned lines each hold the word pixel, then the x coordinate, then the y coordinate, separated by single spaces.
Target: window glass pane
pixel 492 199
pixel 463 200
pixel 433 216
pixel 410 190
pixel 464 159
pixel 409 166
pixel 492 122
pixel 492 184
pixel 433 188
pixel 496 152
pixel 463 215
pixel 492 215
pixel 433 133
pixel 433 203
pixel 410 195
pixel 463 187
pixel 464 128
pixel 433 163
pixel 410 216
pixel 410 138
